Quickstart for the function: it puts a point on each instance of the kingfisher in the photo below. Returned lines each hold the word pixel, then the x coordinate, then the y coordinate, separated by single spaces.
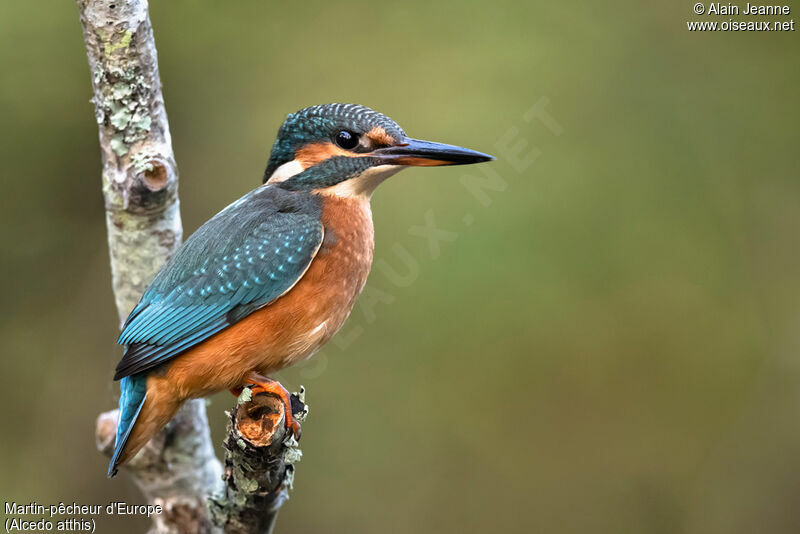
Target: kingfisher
pixel 272 277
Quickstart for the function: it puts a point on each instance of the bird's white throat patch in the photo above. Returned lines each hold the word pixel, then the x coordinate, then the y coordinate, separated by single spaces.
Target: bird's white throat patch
pixel 362 185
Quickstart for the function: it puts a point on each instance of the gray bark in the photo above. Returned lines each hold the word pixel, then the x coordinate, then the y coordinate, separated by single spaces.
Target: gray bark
pixel 260 453
pixel 177 469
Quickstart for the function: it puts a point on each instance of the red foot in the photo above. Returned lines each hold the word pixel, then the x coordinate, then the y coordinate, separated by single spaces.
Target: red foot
pixel 262 384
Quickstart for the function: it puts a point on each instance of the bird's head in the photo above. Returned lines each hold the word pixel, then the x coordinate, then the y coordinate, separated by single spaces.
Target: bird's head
pixel 347 149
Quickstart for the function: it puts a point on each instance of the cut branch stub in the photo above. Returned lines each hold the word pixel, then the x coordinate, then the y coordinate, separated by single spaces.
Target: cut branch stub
pixel 258 420
pixel 156 175
pixel 260 453
pixel 151 181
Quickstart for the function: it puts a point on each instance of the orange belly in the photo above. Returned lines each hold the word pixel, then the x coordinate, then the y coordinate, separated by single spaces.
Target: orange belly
pixel 293 326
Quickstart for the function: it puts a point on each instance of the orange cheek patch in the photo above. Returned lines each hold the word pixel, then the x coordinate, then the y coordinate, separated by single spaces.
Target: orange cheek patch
pixel 379 137
pixel 315 153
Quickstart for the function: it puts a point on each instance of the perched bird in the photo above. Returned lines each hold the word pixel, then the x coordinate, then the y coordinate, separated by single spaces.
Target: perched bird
pixel 270 278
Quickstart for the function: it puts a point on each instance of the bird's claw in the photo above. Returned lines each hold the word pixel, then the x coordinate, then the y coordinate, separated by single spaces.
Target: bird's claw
pixel 262 384
pixel 296 430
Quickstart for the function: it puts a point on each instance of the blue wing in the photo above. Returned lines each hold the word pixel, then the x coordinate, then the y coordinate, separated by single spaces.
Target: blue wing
pixel 245 257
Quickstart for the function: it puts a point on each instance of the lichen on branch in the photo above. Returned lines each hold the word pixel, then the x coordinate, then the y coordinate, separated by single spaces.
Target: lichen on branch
pixel 260 458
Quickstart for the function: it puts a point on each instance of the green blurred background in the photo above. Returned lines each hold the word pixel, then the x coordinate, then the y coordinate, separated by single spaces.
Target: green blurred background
pixel 611 346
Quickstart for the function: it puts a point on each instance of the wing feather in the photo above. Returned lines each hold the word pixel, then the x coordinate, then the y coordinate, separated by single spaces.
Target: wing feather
pixel 242 259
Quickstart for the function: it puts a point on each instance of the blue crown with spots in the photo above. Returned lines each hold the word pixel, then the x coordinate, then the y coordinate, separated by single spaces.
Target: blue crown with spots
pixel 321 123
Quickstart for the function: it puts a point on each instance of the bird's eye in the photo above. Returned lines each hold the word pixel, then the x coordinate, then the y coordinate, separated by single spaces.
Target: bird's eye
pixel 346 140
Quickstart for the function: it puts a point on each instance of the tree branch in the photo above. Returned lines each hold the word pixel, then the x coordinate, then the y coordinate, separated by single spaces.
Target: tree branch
pixel 260 454
pixel 140 188
pixel 177 469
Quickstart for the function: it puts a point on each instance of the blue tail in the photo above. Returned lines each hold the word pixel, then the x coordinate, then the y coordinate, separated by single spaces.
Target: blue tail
pixel 133 390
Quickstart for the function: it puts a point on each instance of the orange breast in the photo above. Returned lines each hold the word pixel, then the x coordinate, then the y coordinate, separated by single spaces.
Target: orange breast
pixel 296 324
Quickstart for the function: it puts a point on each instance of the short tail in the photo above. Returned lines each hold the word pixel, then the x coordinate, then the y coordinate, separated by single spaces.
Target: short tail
pixel 139 420
pixel 132 397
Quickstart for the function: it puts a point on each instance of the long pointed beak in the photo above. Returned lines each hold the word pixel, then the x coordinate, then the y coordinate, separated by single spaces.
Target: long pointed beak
pixel 427 154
